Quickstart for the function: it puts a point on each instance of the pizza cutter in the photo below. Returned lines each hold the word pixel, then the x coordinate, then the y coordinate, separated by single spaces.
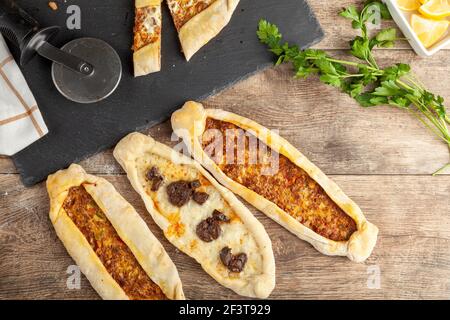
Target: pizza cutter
pixel 85 70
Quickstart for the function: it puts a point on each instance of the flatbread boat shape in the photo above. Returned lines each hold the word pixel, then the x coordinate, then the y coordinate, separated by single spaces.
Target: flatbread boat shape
pixel 147 37
pixel 199 21
pixel 108 240
pixel 272 175
pixel 199 216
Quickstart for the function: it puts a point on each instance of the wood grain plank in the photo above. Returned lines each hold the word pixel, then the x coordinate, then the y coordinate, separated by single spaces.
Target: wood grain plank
pixel 412 252
pixel 329 127
pixel 338 31
pixel 337 134
pixel 372 152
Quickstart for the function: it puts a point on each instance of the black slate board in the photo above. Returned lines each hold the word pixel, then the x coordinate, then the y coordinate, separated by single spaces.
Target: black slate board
pixel 78 131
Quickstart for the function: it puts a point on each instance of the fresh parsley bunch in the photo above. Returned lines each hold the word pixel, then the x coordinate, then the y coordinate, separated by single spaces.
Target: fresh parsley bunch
pixel 364 80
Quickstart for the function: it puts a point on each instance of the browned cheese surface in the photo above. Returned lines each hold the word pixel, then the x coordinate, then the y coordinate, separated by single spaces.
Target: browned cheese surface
pixel 143 36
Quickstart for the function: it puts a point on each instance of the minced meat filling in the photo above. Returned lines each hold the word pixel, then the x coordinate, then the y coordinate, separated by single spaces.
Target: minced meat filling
pixel 184 10
pixel 147 26
pixel 114 254
pixel 289 187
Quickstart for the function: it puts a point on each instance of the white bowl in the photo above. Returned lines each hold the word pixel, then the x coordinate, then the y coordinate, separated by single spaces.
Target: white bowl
pixel 402 18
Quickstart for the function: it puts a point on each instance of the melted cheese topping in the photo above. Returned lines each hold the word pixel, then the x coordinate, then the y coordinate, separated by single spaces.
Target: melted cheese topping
pixel 183 221
pixel 184 10
pixel 289 187
pixel 114 254
pixel 147 26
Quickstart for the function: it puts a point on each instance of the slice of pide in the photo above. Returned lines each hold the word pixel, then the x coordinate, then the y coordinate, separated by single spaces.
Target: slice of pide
pixel 276 178
pixel 108 240
pixel 199 216
pixel 147 37
pixel 199 21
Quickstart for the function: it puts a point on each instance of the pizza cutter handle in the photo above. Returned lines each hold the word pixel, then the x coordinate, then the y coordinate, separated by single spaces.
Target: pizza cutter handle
pixel 23 30
pixel 16 24
pixel 68 60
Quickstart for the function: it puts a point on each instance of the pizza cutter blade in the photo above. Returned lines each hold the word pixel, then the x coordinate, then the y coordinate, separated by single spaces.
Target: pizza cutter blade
pixel 92 87
pixel 85 70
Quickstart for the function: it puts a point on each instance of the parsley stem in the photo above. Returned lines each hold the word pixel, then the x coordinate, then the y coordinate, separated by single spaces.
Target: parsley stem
pixel 441 170
pixel 442 130
pixel 364 80
pixel 420 83
pixel 349 63
pixel 413 81
pixel 372 62
pixel 356 75
pixel 406 86
pixel 426 124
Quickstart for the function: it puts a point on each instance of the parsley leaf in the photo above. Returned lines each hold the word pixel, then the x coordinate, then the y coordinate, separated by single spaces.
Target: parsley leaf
pixel 268 34
pixel 386 38
pixel 365 81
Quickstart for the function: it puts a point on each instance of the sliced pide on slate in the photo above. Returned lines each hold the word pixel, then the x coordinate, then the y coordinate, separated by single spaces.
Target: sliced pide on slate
pixel 272 175
pixel 108 240
pixel 199 21
pixel 147 37
pixel 199 216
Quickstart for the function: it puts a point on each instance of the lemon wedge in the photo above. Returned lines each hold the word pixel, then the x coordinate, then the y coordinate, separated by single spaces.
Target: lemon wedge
pixel 408 5
pixel 429 31
pixel 423 1
pixel 436 9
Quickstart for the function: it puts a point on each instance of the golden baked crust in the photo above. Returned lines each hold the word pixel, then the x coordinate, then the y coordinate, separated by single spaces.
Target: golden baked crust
pixel 147 37
pixel 69 209
pixel 154 170
pixel 190 122
pixel 200 22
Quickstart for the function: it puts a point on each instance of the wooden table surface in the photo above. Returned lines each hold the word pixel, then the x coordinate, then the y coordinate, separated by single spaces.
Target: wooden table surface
pixel 381 157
